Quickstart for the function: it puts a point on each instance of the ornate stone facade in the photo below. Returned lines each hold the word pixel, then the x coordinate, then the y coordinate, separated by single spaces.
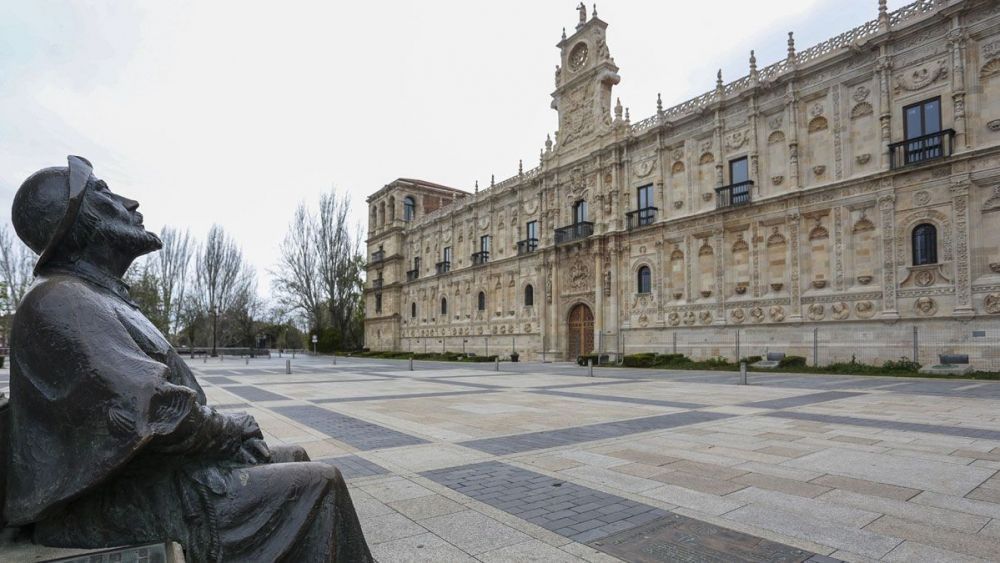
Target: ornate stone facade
pixel 815 228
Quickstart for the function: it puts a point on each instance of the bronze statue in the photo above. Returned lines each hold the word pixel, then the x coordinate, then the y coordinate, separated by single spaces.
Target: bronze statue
pixel 111 442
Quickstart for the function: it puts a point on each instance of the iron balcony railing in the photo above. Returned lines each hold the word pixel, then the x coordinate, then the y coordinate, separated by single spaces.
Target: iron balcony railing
pixel 480 258
pixel 378 256
pixel 733 195
pixel 576 231
pixel 640 217
pixel 443 267
pixel 377 283
pixel 412 275
pixel 527 246
pixel 921 149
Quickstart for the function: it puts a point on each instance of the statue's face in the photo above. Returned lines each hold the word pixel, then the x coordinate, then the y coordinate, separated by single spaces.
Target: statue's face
pixel 119 221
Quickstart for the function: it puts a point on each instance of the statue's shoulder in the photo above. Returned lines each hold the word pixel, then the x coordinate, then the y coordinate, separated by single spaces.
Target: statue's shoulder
pixel 54 293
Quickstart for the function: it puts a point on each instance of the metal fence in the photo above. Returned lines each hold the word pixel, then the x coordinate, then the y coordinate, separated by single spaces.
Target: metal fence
pixel 821 346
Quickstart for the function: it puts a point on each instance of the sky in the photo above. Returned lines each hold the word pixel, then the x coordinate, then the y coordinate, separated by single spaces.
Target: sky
pixel 233 112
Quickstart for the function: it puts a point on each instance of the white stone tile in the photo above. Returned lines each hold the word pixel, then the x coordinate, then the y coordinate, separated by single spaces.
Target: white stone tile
pixel 817 508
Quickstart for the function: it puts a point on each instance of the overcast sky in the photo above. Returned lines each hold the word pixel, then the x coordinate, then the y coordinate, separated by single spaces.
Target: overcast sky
pixel 233 112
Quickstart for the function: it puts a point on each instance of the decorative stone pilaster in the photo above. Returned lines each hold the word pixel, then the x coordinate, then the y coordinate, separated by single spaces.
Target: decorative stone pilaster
pixel 794 221
pixel 792 117
pixel 838 147
pixel 838 249
pixel 963 279
pixel 883 67
pixel 754 155
pixel 887 228
pixel 720 277
pixel 957 39
pixel 755 259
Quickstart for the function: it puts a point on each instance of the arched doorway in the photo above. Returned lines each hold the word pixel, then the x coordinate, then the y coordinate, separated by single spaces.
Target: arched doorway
pixel 581 331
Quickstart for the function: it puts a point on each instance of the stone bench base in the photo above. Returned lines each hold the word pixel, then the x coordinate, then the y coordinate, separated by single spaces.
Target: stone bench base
pixel 150 553
pixel 947 369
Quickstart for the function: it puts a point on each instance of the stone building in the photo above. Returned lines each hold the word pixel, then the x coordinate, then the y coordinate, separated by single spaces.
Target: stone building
pixel 852 186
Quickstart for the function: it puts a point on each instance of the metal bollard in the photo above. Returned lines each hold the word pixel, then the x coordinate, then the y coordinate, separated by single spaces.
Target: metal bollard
pixel 497 359
pixel 204 359
pixel 411 363
pixel 288 366
pixel 743 373
pixel 590 366
pixel 248 361
pixel 334 359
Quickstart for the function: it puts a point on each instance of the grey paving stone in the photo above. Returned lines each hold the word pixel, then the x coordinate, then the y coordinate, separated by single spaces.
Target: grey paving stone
pixel 401 396
pixel 565 508
pixel 218 380
pixel 518 443
pixel 800 400
pixel 632 400
pixel 356 432
pixel 251 393
pixel 352 466
pixel 962 431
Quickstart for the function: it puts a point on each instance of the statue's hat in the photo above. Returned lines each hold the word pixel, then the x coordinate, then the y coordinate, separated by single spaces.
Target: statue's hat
pixel 47 204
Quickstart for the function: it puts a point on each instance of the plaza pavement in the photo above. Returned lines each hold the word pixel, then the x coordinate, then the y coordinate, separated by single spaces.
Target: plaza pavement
pixel 457 462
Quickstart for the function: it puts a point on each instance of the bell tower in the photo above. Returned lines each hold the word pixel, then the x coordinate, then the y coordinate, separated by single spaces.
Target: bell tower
pixel 583 82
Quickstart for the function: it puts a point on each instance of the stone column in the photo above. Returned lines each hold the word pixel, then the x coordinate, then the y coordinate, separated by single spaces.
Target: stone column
pixel 887 227
pixel 792 117
pixel 963 283
pixel 598 300
pixel 754 156
pixel 754 243
pixel 542 306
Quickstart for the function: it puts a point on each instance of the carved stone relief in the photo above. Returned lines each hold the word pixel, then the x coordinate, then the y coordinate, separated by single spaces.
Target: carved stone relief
pixel 925 306
pixel 921 77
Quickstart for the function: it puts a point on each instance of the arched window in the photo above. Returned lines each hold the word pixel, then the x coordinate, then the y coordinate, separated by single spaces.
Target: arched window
pixel 482 301
pixel 409 208
pixel 924 244
pixel 444 306
pixel 529 296
pixel 645 282
pixel 413 310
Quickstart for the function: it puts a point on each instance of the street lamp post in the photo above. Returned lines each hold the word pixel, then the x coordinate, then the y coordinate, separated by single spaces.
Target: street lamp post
pixel 215 320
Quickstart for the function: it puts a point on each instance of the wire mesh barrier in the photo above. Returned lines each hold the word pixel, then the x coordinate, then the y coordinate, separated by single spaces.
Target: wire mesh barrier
pixel 822 346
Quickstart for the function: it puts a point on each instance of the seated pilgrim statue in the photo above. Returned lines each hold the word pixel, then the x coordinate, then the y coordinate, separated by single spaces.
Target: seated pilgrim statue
pixel 111 441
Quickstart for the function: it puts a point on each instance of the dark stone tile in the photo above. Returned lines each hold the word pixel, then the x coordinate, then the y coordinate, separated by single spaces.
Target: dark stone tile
pixel 632 400
pixel 800 400
pixel 352 466
pixel 962 431
pixel 551 438
pixel 251 393
pixel 356 432
pixel 402 396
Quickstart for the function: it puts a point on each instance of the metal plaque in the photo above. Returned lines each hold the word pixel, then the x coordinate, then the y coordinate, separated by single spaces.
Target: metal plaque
pixel 151 553
pixel 679 538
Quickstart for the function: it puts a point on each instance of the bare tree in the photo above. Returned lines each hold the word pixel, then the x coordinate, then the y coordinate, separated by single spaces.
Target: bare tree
pixel 340 262
pixel 296 279
pixel 171 270
pixel 219 269
pixel 17 263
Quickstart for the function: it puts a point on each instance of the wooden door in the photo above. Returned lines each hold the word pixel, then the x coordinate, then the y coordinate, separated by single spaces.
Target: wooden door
pixel 581 331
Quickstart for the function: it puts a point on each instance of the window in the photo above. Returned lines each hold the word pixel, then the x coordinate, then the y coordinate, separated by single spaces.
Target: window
pixel 378 302
pixel 644 197
pixel 484 243
pixel 924 138
pixel 447 254
pixel 413 310
pixel 531 230
pixel 644 284
pixel 482 301
pixel 529 296
pixel 924 244
pixel 416 264
pixel 739 171
pixel 580 211
pixel 444 306
pixel 409 208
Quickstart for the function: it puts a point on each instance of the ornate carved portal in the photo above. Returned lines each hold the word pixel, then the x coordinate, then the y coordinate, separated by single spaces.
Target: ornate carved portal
pixel 581 331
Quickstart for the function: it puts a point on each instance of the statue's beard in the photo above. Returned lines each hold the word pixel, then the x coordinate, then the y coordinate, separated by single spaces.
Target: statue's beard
pixel 132 240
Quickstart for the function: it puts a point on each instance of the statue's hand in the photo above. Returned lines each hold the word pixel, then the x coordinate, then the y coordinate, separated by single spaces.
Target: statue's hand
pixel 254 451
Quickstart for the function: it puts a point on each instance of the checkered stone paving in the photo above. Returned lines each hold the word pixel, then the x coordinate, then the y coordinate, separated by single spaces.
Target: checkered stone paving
pixel 580 513
pixel 353 467
pixel 251 393
pixel 564 436
pixel 356 432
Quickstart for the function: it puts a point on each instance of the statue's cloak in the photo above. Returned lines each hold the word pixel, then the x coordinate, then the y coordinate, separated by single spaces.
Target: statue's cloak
pixel 92 383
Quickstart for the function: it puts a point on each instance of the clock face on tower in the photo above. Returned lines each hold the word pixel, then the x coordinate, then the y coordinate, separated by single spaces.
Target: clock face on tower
pixel 578 56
